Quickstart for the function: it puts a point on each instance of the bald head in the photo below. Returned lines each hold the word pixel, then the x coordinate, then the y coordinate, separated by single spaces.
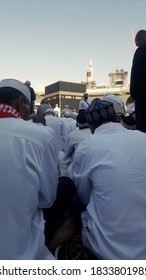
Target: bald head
pixel 85 95
pixel 140 38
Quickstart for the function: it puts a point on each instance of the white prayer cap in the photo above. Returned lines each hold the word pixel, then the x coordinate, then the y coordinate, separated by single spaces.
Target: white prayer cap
pixel 67 114
pixel 117 103
pixel 74 115
pixel 15 84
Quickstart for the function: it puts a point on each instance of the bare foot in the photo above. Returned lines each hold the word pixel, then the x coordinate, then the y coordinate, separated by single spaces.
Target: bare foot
pixel 64 233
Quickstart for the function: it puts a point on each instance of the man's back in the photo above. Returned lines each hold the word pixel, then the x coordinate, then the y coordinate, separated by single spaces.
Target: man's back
pixel 74 139
pixel 138 80
pixel 27 186
pixel 57 125
pixel 110 178
pixel 138 75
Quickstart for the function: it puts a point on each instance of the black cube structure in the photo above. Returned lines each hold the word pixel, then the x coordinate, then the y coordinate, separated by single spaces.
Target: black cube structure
pixel 64 93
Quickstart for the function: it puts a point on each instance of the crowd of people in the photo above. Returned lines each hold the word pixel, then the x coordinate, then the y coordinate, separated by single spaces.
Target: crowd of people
pixel 73 184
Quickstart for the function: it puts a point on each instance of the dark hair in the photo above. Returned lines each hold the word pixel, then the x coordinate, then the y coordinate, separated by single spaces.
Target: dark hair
pixel 38 119
pixel 99 123
pixel 8 95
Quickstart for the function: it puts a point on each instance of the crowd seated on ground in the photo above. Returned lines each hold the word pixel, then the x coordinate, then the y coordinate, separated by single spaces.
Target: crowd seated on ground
pixel 71 175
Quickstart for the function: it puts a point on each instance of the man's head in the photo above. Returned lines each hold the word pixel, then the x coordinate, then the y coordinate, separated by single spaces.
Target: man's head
pixel 38 119
pixel 85 95
pixel 81 120
pixel 100 112
pixel 49 111
pixel 118 105
pixel 66 106
pixel 42 108
pixel 140 38
pixel 67 114
pixel 17 95
pixel 129 122
pixel 28 83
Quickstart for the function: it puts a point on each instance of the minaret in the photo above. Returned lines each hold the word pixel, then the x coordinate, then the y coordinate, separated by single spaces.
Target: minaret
pixel 90 73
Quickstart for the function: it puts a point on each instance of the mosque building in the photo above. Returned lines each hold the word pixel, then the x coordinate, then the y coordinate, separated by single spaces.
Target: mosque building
pixel 64 93
pixel 118 84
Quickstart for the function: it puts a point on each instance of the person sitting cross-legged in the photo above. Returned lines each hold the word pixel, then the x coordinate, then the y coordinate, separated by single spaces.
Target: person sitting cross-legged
pixel 109 175
pixel 28 175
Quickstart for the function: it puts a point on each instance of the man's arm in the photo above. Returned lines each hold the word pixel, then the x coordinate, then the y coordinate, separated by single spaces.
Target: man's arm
pixel 81 173
pixel 48 175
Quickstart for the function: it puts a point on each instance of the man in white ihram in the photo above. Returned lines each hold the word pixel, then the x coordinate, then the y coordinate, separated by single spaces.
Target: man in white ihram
pixel 110 177
pixel 84 102
pixel 28 175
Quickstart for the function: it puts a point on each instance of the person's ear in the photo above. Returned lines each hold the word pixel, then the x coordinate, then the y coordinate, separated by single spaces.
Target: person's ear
pixel 17 104
pixel 22 107
pixel 92 128
pixel 118 119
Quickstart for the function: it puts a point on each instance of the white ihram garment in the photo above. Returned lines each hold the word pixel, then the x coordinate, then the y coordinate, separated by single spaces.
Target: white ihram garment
pixel 74 139
pixel 28 175
pixel 57 125
pixel 69 125
pixel 83 104
pixel 110 176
